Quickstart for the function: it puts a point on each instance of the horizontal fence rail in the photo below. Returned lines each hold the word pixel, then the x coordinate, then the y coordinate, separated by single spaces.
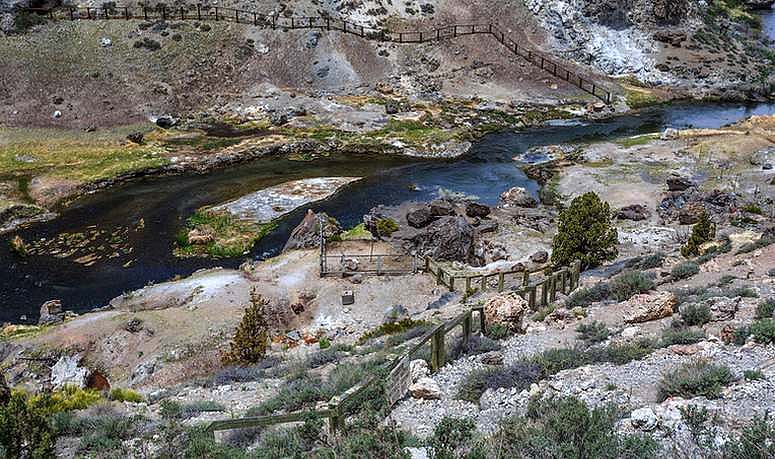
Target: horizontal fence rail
pixel 274 21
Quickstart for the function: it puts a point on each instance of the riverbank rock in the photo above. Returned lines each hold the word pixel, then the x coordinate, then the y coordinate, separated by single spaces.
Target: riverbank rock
pixel 474 210
pixel 517 197
pixel 307 234
pixel 649 306
pixel 508 310
pixel 51 313
pixel 678 182
pixel 540 257
pixel 448 238
pixel 420 218
pixel 441 208
pixel 68 372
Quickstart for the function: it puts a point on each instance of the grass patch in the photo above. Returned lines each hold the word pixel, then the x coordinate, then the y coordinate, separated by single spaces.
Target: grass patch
pixel 753 375
pixel 637 98
pixel 634 141
pixel 355 233
pixel 392 328
pixel 224 236
pixel 685 270
pixel 694 314
pixel 120 394
pixel 765 309
pixel 586 296
pixel 682 336
pixel 694 379
pixel 763 331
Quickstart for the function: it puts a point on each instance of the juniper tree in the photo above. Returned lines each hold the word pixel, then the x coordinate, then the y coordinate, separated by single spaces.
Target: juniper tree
pixel 585 232
pixel 252 335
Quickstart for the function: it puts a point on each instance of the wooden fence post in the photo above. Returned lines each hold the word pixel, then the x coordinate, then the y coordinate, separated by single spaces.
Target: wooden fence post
pixel 427 264
pixel 198 12
pixel 484 283
pixel 553 287
pixel 563 280
pixel 482 323
pixel 531 302
pixel 468 284
pixel 545 292
pixel 437 349
pixel 451 283
pixel 467 328
pixel 501 279
pixel 335 421
pixel 525 278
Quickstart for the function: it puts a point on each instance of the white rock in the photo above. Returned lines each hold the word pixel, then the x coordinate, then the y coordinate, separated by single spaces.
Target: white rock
pixel 57 114
pixel 418 369
pixel 66 372
pixel 106 42
pixel 643 418
pixel 630 332
pixel 670 134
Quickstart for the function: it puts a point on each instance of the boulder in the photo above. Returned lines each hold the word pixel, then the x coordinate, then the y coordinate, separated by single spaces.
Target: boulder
pixel 643 419
pixel 420 218
pixel 517 197
pixel 418 369
pixel 425 388
pixel 691 213
pixel 635 212
pixel 649 306
pixel 507 309
pixel 441 208
pixel 166 122
pixel 474 209
pixel 678 183
pixel 540 257
pixel 307 234
pixel 51 313
pixel 670 134
pixel 67 372
pixel 722 308
pixel 448 238
pixel 493 358
pixel 630 332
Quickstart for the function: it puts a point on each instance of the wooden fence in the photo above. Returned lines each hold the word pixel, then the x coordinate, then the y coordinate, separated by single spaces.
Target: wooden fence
pixel 398 379
pixel 215 13
pixel 379 264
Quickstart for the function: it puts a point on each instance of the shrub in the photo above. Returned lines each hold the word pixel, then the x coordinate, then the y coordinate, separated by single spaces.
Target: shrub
pixel 741 334
pixel 24 427
pixel 765 309
pixel 585 233
pixel 753 375
pixel 682 336
pixel 756 441
pixel 72 398
pixel 694 314
pixel 726 279
pixel 230 374
pixel 402 337
pixel 126 395
pixel 170 409
pixel 566 428
pixel 751 246
pixel 451 436
pixel 520 375
pixel 391 328
pixel 763 331
pixel 476 345
pixel 630 283
pixel 386 227
pixel 544 311
pixel 251 338
pixel 593 332
pixel 619 353
pixel 698 378
pixel 498 331
pixel 558 359
pixel 586 296
pixel 703 231
pixel 685 270
pixel 645 262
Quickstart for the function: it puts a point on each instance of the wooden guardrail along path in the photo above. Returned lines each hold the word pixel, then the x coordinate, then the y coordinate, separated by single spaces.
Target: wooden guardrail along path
pixel 215 13
pixel 565 280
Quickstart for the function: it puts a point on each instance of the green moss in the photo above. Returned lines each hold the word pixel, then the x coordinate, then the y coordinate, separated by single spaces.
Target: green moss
pixel 629 142
pixel 228 236
pixel 640 98
pixel 386 226
pixel 357 232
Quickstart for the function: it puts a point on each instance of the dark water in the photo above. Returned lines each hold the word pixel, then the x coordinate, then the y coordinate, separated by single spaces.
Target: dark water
pixel 163 203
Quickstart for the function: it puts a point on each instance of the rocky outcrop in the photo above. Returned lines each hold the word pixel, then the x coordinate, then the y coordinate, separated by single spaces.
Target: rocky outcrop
pixel 448 238
pixel 425 388
pixel 649 306
pixel 508 310
pixel 307 234
pixel 51 313
pixel 420 218
pixel 517 197
pixel 678 183
pixel 634 212
pixel 68 372
pixel 476 210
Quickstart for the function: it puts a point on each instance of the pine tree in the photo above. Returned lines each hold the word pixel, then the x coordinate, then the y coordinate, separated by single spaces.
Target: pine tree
pixel 251 339
pixel 585 232
pixel 702 231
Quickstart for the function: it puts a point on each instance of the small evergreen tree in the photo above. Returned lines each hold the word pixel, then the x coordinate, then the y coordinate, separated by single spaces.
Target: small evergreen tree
pixel 252 336
pixel 585 233
pixel 702 231
pixel 25 430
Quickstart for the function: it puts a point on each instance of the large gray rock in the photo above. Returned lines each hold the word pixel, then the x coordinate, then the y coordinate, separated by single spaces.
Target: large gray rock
pixel 635 212
pixel 474 209
pixel 678 183
pixel 643 419
pixel 425 388
pixel 448 238
pixel 722 308
pixel 420 218
pixel 517 197
pixel 648 306
pixel 51 313
pixel 307 234
pixel 68 372
pixel 441 208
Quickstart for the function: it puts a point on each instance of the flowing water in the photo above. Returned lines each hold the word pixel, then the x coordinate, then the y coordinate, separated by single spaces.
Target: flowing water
pixel 768 24
pixel 163 203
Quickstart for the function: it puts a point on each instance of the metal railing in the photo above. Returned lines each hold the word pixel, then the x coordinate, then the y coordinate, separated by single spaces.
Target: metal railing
pixel 274 21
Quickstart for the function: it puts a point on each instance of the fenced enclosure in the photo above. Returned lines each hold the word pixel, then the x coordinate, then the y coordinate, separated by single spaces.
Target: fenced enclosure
pixel 200 12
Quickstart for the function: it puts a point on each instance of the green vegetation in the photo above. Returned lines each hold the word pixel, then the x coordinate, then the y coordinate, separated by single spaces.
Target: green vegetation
pixel 766 309
pixel 629 142
pixel 251 339
pixel 694 379
pixel 630 283
pixel 218 235
pixel 644 262
pixel 685 270
pixel 593 332
pixel 694 314
pixel 585 232
pixel 386 227
pixel 564 427
pixel 640 97
pixel 586 296
pixel 703 231
pixel 498 331
pixel 452 438
pixel 672 336
pixel 120 394
pixel 357 232
pixel 519 375
pixel 392 328
pixel 753 375
pixel 763 331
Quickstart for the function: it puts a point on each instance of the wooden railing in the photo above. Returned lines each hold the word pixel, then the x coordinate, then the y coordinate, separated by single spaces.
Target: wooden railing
pixel 215 13
pixel 398 379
